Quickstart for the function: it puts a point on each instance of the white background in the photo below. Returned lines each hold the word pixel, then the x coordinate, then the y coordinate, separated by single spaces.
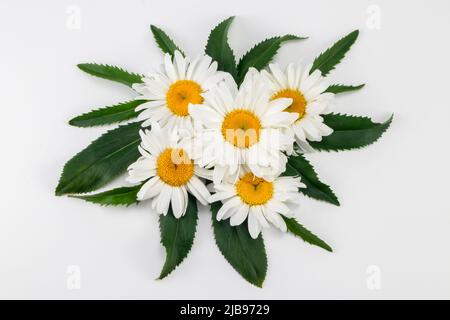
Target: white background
pixel 395 204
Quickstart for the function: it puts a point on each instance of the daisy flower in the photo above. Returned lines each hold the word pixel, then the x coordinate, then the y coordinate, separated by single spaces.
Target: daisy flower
pixel 242 126
pixel 168 172
pixel 259 201
pixel 309 100
pixel 170 90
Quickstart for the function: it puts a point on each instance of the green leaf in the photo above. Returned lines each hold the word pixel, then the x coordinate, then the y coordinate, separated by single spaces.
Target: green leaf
pixel 107 115
pixel 327 60
pixel 350 132
pixel 177 236
pixel 261 54
pixel 102 161
pixel 219 49
pixel 123 196
pixel 164 42
pixel 245 254
pixel 314 187
pixel 300 231
pixel 112 73
pixel 340 88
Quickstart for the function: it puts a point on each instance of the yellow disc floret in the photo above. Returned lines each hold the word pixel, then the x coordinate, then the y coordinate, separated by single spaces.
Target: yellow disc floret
pixel 174 167
pixel 241 128
pixel 298 104
pixel 180 94
pixel 253 190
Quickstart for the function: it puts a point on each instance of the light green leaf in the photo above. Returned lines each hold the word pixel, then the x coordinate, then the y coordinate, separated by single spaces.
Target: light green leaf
pixel 102 161
pixel 107 115
pixel 350 132
pixel 300 231
pixel 177 236
pixel 219 49
pixel 314 187
pixel 123 196
pixel 112 73
pixel 245 254
pixel 261 54
pixel 340 88
pixel 327 60
pixel 164 42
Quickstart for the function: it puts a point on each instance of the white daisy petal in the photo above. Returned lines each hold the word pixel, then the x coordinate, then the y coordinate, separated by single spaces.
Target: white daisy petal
pixel 178 202
pixel 163 200
pixel 254 228
pixel 229 205
pixel 240 216
pixel 198 189
pixel 180 63
pixel 275 219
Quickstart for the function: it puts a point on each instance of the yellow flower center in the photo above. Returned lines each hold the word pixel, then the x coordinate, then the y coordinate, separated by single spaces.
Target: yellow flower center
pixel 180 94
pixel 298 104
pixel 253 190
pixel 241 128
pixel 174 167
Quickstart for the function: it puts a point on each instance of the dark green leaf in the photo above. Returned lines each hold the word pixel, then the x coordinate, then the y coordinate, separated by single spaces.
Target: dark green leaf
pixel 102 161
pixel 177 236
pixel 300 231
pixel 107 115
pixel 290 171
pixel 350 132
pixel 340 88
pixel 219 49
pixel 164 42
pixel 327 60
pixel 111 73
pixel 261 54
pixel 314 187
pixel 246 255
pixel 123 196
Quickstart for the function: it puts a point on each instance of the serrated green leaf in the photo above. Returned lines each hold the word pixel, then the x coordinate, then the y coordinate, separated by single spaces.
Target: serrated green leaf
pixel 123 196
pixel 340 88
pixel 261 54
pixel 177 236
pixel 350 132
pixel 327 60
pixel 112 73
pixel 245 254
pixel 219 50
pixel 102 161
pixel 164 42
pixel 300 231
pixel 314 187
pixel 107 115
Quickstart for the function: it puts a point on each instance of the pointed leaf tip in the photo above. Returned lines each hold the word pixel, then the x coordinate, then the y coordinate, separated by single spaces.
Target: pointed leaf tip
pixel 300 231
pixel 219 50
pixel 164 42
pixel 123 196
pixel 102 161
pixel 316 189
pixel 112 73
pixel 350 132
pixel 107 115
pixel 177 236
pixel 245 254
pixel 328 59
pixel 341 88
pixel 262 54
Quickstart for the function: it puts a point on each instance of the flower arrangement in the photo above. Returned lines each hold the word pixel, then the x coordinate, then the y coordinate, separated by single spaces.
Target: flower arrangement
pixel 230 135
